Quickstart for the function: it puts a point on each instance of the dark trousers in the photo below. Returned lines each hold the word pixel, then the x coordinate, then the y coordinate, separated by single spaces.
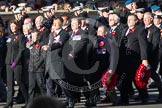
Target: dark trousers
pixel 36 79
pixel 3 93
pixel 25 80
pixel 25 75
pixel 53 88
pixel 11 75
pixel 74 95
pixel 156 77
pixel 160 70
pixel 126 69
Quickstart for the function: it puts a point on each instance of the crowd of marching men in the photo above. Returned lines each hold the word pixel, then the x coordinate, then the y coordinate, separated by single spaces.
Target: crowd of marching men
pixel 54 55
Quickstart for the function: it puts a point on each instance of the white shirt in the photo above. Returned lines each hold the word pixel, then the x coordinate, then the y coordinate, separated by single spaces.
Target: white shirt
pixel 57 31
pixel 148 26
pixel 113 28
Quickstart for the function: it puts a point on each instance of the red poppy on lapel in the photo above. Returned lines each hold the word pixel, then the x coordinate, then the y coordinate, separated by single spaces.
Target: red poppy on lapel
pixel 160 31
pixel 77 32
pixel 28 40
pixel 113 33
pixel 16 37
pixel 66 29
pixel 131 30
pixel 36 46
pixel 148 31
pixel 54 34
pixel 101 43
pixel 42 29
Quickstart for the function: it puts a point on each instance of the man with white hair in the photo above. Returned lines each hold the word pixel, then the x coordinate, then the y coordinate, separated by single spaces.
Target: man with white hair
pixel 153 37
pixel 27 28
pixel 44 32
pixel 75 60
pixel 116 27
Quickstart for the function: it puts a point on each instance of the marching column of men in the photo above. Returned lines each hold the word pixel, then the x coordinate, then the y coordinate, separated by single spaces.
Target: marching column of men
pixel 69 57
pixel 153 37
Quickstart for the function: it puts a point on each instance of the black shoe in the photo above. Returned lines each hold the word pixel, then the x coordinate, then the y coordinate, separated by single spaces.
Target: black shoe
pixel 144 100
pixel 116 103
pixel 71 103
pixel 159 100
pixel 123 103
pixel 66 103
pixel 137 98
pixel 7 106
pixel 106 100
pixel 153 85
pixel 20 101
pixel 23 106
pixel 131 94
pixel 90 103
pixel 2 99
pixel 77 100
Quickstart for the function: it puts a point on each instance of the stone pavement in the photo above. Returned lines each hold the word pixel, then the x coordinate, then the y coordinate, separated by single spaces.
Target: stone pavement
pixel 153 94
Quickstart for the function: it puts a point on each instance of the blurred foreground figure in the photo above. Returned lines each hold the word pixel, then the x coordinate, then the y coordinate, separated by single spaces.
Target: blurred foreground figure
pixel 45 102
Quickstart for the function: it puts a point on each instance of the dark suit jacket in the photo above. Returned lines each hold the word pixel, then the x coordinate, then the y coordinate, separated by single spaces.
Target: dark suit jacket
pixel 15 49
pixel 102 21
pixel 160 50
pixel 132 51
pixel 91 33
pixel 54 63
pixel 89 30
pixel 113 50
pixel 124 15
pixel 37 59
pixel 3 50
pixel 77 47
pixel 160 56
pixel 106 61
pixel 117 34
pixel 137 41
pixel 44 37
pixel 153 37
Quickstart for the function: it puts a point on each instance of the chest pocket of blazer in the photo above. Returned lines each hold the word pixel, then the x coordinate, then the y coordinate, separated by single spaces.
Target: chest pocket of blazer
pixel 15 43
pixel 76 38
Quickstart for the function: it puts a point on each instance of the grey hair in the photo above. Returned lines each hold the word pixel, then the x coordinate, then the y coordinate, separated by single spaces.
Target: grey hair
pixel 149 13
pixel 77 20
pixel 41 18
pixel 116 17
pixel 29 26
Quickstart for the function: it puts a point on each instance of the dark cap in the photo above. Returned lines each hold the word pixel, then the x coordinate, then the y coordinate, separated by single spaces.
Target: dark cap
pixel 2 3
pixel 157 17
pixel 155 8
pixel 140 10
pixel 104 9
pixel 127 2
